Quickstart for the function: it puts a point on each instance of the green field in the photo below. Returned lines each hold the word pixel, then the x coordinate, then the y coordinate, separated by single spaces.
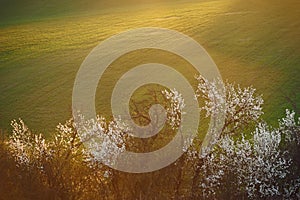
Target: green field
pixel 42 45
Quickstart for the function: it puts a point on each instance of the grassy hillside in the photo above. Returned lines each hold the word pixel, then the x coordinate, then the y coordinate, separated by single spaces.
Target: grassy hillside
pixel 20 11
pixel 253 43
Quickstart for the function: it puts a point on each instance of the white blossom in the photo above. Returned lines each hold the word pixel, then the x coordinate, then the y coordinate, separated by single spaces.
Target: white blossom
pixel 104 141
pixel 175 111
pixel 258 165
pixel 290 127
pixel 241 106
pixel 26 147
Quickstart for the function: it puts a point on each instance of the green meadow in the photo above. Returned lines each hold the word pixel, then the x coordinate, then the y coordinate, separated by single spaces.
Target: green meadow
pixel 42 45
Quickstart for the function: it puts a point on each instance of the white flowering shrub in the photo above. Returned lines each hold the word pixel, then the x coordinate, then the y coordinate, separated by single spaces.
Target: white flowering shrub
pixel 256 167
pixel 290 127
pixel 104 142
pixel 175 111
pixel 213 95
pixel 243 165
pixel 241 105
pixel 27 148
pixel 59 165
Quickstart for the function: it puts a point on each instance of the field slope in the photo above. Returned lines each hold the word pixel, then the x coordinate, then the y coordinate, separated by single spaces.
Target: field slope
pixel 253 42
